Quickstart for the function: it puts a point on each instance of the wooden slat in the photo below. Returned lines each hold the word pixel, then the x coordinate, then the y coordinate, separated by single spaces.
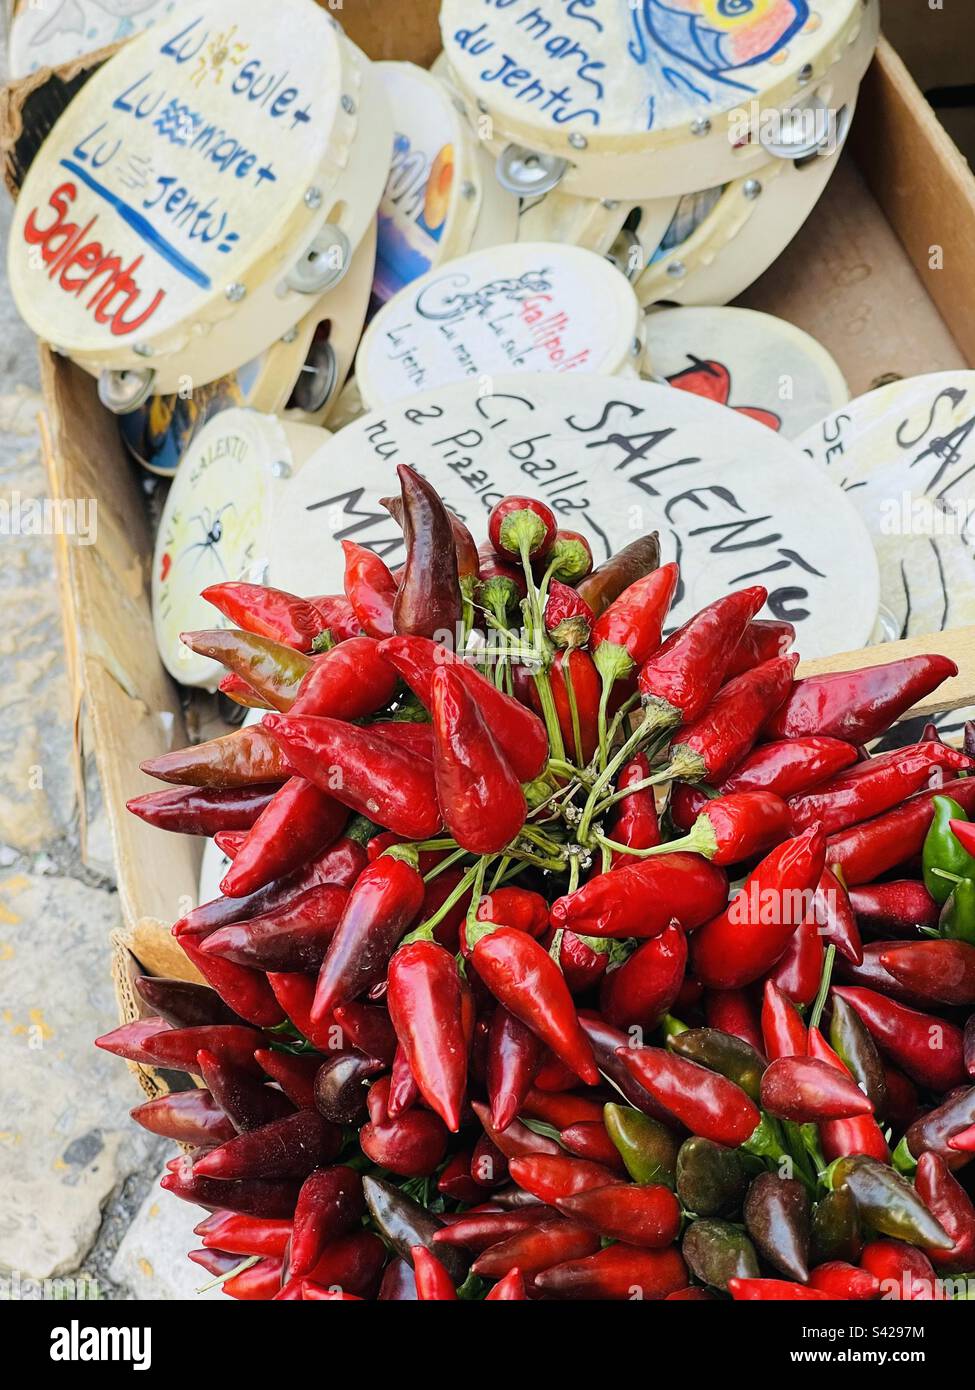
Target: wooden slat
pixel 959 645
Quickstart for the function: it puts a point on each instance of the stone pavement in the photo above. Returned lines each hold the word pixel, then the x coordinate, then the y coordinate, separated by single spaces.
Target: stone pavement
pixel 77 1178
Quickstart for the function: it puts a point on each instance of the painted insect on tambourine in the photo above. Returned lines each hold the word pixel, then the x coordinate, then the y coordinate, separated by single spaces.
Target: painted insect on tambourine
pixel 441 198
pixel 530 307
pixel 206 184
pixel 217 523
pixel 614 457
pixel 652 98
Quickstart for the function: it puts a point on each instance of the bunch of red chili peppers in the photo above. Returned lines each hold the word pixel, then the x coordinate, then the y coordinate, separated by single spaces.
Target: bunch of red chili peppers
pixel 558 958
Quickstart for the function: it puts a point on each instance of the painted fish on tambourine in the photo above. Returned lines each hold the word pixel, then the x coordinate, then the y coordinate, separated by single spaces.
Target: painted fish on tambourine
pixel 718 36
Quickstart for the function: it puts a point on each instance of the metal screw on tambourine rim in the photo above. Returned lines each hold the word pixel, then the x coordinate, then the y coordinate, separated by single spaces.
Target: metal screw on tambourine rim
pixel 578 141
pixel 121 392
pixel 280 468
pixel 142 350
pixel 235 292
pixel 318 269
pixel 468 190
pixel 701 126
pixel 676 269
pixel 526 172
pixel 752 189
pixel 348 105
pixel 313 198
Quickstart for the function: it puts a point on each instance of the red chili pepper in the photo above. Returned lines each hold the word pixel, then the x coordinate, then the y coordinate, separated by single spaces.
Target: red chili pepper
pixel 549 1177
pixel 299 823
pixel 382 905
pixel 464 544
pixel 351 1264
pixel 290 1147
pixel 480 797
pixel 951 1205
pixel 732 1011
pixel 873 787
pixel 641 899
pixel 189 1117
pixel 370 589
pixel 618 1272
pixel 362 771
pixel 455 1182
pixel 799 969
pixel 246 758
pixel 903 1271
pixel 963 1143
pixel 518 732
pixel 416 739
pixel 295 1075
pixel 229 842
pixel 432 1280
pixel 413 1145
pixel 711 747
pixel 838 1280
pixel 481 1230
pixel 352 681
pixel 584 680
pixel 258 1284
pixel 522 527
pixel 645 986
pixel 515 907
pixel 311 1293
pixel 178 1047
pixel 368 1029
pixel 635 560
pixel 295 993
pixel 589 1140
pixel 562 1110
pixel 201 810
pixel 635 822
pixel 403 1090
pixel 941 971
pixel 268 612
pixel 428 600
pixel 580 962
pixel 247 1102
pixel 682 677
pixel 900 905
pixel 570 558
pixel 963 830
pixel 835 918
pixel 513 1058
pixel 554 1075
pixel 568 618
pixel 858 706
pixel 783 1031
pixel 748 938
pixel 773 1291
pixel 805 1089
pixel 645 1216
pixel 859 1134
pixel 707 1103
pixel 733 828
pixel 237 689
pixel 330 1204
pixel 249 1196
pixel 510 1289
pixel 244 1235
pixel 535 1250
pixel 425 1005
pixel 763 640
pixel 631 628
pixel 929 1049
pixel 790 767
pixel 129 1039
pixel 245 991
pixel 523 977
pixel 292 937
pixel 337 616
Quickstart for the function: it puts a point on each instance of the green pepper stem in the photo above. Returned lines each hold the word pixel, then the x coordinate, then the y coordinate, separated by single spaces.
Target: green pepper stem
pixel 819 1003
pixel 424 932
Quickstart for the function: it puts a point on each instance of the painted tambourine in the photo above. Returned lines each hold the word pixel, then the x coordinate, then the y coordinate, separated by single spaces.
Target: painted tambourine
pixel 204 186
pixel 756 364
pixel 645 98
pixel 735 503
pixel 217 525
pixel 59 31
pixel 526 307
pixel 441 198
pixel 300 377
pixel 905 456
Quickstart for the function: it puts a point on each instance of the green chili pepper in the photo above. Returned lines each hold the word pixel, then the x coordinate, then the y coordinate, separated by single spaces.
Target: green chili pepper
pixel 957 919
pixel 648 1148
pixel 716 1251
pixel 836 1230
pixel 857 1049
pixel 724 1053
pixel 405 1224
pixel 887 1202
pixel 943 851
pixel 711 1180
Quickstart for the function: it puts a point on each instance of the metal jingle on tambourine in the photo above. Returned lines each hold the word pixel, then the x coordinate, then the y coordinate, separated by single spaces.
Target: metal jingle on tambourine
pixel 317 379
pixel 528 173
pixel 122 392
pixel 324 263
pixel 807 130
